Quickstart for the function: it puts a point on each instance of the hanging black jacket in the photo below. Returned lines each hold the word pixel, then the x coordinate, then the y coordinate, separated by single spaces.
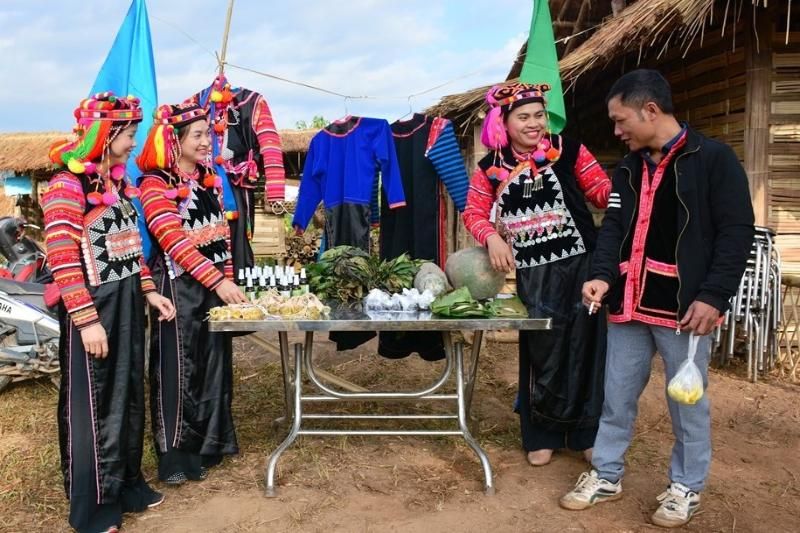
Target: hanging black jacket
pixel 714 223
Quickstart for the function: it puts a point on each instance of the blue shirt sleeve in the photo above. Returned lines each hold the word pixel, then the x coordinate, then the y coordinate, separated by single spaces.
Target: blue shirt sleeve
pixel 386 154
pixel 310 194
pixel 446 158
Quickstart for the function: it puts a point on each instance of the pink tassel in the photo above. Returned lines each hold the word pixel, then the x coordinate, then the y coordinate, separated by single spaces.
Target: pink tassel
pixel 497 173
pixel 117 171
pixel 109 198
pixel 493 132
pixel 171 194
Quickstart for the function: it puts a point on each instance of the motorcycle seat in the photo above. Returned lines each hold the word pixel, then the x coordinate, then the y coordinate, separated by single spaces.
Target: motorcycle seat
pixel 20 288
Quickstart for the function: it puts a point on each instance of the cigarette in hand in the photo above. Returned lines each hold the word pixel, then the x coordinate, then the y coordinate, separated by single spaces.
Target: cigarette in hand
pixel 591 309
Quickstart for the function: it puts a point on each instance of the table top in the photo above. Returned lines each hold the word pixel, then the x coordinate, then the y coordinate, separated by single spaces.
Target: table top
pixel 353 318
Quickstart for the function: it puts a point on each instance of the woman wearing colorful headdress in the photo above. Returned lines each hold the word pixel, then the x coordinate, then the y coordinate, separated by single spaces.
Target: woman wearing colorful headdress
pixel 527 205
pixel 94 251
pixel 191 374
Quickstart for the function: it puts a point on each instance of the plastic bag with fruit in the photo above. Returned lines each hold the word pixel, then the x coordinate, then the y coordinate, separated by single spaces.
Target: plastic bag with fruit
pixel 687 385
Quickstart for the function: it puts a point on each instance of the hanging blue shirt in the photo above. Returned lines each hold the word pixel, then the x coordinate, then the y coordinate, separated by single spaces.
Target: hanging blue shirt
pixel 342 167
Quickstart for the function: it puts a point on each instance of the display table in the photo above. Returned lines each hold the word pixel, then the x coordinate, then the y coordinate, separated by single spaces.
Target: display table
pixel 347 318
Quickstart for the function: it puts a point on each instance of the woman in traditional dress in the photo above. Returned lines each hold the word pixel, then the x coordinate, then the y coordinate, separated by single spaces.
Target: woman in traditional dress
pixel 191 373
pixel 94 251
pixel 527 205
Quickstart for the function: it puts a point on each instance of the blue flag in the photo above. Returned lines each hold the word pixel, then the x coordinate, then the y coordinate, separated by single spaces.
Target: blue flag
pixel 129 69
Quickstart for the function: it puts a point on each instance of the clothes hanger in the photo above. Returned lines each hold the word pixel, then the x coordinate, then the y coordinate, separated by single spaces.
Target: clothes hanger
pixel 347 115
pixel 410 110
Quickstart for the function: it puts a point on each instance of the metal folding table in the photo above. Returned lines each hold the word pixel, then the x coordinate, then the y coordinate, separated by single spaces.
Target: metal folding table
pixel 345 318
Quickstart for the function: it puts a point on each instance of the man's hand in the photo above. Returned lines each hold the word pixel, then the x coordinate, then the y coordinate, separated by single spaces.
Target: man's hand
pixel 500 253
pixel 700 318
pixel 95 341
pixel 166 311
pixel 593 292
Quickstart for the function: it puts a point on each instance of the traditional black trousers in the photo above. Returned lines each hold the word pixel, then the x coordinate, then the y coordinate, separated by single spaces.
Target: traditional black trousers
pixel 191 380
pixel 101 411
pixel 561 370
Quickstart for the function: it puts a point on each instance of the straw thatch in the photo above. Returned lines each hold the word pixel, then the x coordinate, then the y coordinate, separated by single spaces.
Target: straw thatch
pixel 652 26
pixel 644 24
pixel 7 204
pixel 296 140
pixel 27 152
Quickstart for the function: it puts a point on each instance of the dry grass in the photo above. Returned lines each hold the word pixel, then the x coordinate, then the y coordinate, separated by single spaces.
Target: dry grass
pixel 30 476
pixel 31 486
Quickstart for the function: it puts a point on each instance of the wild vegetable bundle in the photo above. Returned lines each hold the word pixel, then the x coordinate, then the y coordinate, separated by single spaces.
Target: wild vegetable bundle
pixel 347 273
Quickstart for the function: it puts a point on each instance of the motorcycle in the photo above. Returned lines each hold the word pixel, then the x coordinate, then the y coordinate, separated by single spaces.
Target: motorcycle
pixel 29 331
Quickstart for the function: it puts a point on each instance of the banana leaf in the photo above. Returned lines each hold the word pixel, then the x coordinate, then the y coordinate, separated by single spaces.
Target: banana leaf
pixel 508 308
pixel 458 304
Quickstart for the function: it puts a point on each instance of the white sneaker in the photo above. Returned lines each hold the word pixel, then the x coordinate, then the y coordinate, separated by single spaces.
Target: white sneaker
pixel 678 504
pixel 590 490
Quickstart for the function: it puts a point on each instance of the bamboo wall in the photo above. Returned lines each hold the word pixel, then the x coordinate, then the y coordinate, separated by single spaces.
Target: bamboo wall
pixel 784 141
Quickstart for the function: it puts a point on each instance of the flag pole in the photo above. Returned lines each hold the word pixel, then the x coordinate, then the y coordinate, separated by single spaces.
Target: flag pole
pixel 221 57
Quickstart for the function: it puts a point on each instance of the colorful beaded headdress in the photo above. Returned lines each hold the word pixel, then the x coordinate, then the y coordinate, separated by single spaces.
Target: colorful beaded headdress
pixel 107 106
pixel 178 115
pixel 502 99
pixel 100 119
pixel 162 149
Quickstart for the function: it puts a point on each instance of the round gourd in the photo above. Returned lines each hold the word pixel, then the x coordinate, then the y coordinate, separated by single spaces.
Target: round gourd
pixel 472 268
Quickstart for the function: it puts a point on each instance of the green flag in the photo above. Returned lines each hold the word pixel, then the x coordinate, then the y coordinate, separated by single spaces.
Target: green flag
pixel 541 63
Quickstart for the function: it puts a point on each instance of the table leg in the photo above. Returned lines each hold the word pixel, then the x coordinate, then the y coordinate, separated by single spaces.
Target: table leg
pixel 297 418
pixel 473 370
pixel 456 351
pixel 283 341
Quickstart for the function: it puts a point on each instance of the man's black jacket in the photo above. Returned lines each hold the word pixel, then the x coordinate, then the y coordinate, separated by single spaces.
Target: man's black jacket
pixel 714 217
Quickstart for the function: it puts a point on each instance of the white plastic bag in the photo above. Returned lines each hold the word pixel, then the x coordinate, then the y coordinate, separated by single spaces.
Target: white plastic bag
pixel 687 385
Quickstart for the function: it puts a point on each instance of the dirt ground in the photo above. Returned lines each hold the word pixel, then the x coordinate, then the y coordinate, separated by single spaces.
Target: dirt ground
pixel 388 484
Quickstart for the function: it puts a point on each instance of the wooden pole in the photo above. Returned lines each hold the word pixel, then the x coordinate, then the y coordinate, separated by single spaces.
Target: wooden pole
pixel 758 71
pixel 582 14
pixel 224 49
pixel 563 11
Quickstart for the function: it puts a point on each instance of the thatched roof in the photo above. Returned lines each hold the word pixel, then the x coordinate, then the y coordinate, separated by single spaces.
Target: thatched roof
pixel 26 152
pixel 296 140
pixel 645 24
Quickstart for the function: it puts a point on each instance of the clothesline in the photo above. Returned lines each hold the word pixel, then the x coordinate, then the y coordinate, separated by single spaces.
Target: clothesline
pixel 311 86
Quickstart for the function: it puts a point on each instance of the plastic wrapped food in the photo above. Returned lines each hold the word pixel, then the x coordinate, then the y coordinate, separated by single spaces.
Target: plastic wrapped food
pixel 236 312
pixel 272 305
pixel 305 306
pixel 410 300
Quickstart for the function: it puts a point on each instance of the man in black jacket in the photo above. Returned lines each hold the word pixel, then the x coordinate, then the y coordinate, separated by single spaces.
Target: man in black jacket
pixel 671 251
